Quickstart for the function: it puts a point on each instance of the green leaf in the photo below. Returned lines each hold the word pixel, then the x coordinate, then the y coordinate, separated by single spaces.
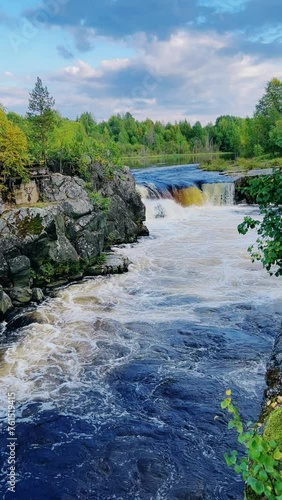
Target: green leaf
pixel 256 485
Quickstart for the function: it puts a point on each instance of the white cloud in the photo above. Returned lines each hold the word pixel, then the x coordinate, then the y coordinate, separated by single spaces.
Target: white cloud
pixel 190 75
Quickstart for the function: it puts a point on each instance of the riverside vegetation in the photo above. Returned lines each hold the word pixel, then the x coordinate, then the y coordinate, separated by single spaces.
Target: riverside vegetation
pixel 68 146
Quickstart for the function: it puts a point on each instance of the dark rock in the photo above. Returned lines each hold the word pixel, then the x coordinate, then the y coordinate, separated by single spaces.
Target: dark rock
pixel 90 244
pixel 20 296
pixel 37 295
pixel 5 303
pixel 274 370
pixel 59 240
pixel 20 271
pixel 114 264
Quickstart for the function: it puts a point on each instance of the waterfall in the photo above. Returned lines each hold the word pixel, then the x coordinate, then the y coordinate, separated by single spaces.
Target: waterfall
pixel 221 193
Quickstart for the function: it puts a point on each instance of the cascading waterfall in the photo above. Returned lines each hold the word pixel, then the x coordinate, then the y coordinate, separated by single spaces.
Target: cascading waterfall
pixel 187 185
pixel 212 194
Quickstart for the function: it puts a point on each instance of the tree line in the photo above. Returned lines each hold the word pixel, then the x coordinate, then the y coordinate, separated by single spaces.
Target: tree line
pixel 44 137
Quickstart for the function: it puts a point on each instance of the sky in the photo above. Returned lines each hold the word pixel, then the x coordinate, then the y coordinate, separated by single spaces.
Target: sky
pixel 163 59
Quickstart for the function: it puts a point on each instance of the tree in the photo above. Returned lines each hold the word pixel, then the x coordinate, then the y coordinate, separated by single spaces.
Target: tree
pixel 275 136
pixel 41 116
pixel 13 150
pixel 270 105
pixel 266 191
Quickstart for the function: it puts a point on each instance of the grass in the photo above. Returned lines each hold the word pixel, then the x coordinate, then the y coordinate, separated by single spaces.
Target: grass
pixel 239 165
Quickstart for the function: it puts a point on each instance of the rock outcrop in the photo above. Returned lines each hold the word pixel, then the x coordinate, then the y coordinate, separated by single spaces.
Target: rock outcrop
pixel 274 370
pixel 64 235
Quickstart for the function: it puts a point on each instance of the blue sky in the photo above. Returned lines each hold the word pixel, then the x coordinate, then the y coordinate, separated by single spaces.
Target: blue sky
pixel 163 59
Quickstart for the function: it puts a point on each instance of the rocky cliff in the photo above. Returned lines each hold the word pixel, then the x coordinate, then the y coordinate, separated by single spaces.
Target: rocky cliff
pixel 64 235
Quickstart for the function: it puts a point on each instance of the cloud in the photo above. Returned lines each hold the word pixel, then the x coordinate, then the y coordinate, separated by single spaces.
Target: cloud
pixel 64 52
pixel 187 75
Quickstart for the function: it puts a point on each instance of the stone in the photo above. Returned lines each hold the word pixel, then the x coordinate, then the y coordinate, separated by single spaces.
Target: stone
pixel 114 264
pixel 62 251
pixel 20 271
pixel 20 296
pixel 61 187
pixel 68 229
pixel 5 303
pixel 37 295
pixel 90 244
pixel 77 208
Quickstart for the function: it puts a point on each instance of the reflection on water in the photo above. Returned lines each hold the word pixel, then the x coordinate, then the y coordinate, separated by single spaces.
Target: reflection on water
pixel 118 384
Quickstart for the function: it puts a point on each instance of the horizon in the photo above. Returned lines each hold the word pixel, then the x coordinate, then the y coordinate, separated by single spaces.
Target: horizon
pixel 164 60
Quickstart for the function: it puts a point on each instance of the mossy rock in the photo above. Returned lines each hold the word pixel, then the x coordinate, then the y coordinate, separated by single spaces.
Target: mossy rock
pixel 30 225
pixel 273 427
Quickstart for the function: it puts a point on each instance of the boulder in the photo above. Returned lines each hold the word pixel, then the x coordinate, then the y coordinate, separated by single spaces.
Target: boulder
pixel 37 295
pixel 20 271
pixel 5 303
pixel 20 296
pixel 114 264
pixel 90 244
pixel 77 208
pixel 60 187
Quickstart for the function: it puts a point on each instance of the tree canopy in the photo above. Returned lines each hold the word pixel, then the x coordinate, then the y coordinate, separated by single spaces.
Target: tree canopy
pixel 13 150
pixel 66 145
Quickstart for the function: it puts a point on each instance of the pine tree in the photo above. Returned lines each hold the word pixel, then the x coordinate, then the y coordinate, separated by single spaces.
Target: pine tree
pixel 42 116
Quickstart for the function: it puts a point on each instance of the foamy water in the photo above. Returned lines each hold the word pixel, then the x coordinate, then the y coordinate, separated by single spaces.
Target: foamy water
pixel 139 362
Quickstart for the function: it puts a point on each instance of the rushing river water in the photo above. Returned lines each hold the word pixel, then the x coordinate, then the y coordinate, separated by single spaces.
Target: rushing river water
pixel 118 382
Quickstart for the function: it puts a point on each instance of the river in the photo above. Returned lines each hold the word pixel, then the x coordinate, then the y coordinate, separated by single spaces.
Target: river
pixel 120 378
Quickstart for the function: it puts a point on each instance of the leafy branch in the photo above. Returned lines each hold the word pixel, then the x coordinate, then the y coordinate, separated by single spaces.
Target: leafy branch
pixel 261 466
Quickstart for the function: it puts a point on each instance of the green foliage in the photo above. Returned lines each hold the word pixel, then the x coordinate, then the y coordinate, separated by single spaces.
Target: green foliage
pixel 260 467
pixel 50 272
pixel 267 192
pixel 73 147
pixel 100 202
pixel 13 150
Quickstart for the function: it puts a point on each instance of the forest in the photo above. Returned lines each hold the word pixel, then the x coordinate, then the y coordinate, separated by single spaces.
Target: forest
pixel 44 137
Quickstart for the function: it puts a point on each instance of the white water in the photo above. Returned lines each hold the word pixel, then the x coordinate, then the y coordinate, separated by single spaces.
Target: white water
pixel 192 252
pixel 118 382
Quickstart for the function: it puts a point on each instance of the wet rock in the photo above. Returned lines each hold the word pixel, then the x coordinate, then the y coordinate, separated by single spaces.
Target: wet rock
pixel 20 296
pixel 37 295
pixel 5 303
pixel 20 271
pixel 274 370
pixel 114 264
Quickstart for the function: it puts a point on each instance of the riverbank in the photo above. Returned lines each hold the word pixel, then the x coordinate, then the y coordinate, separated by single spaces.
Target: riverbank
pixel 63 237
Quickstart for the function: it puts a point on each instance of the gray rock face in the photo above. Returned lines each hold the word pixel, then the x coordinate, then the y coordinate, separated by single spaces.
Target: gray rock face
pixel 77 208
pixel 20 271
pixel 58 240
pixel 5 303
pixel 124 221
